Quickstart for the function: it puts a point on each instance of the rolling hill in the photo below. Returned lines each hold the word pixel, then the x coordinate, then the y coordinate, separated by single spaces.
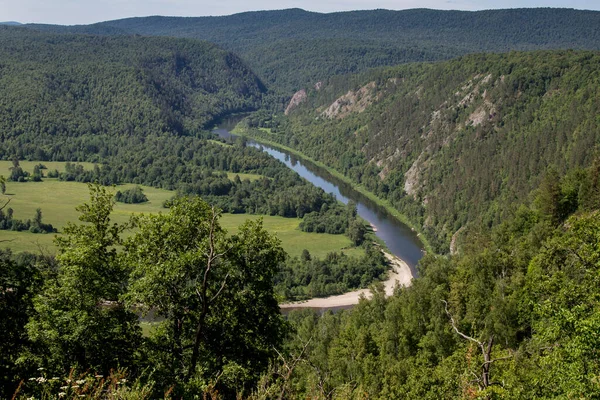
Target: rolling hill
pixel 290 49
pixel 57 85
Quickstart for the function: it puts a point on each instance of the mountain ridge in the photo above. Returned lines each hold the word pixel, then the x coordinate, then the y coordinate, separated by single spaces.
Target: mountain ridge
pixel 292 48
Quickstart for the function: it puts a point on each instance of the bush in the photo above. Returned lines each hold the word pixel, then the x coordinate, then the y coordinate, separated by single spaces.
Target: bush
pixel 131 196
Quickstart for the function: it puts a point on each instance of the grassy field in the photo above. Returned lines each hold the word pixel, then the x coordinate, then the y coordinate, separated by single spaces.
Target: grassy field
pixel 250 177
pixel 218 142
pixel 58 201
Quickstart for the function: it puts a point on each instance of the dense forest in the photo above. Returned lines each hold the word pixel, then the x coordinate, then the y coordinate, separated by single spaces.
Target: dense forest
pixel 452 143
pixel 75 85
pixel 514 315
pixel 290 49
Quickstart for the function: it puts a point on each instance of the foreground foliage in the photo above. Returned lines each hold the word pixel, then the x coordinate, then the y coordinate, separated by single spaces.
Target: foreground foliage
pixel 217 318
pixel 515 315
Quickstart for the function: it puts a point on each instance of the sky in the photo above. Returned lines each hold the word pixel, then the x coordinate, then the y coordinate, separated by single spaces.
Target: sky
pixel 71 12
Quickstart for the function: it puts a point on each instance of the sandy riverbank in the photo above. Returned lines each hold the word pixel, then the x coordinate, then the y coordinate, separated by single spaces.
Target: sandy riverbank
pixel 399 274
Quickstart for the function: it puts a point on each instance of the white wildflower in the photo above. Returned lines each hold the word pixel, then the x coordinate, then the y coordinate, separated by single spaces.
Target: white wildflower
pixel 80 382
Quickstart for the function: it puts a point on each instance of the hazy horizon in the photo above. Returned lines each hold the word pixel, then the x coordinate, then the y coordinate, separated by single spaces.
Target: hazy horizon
pixel 73 12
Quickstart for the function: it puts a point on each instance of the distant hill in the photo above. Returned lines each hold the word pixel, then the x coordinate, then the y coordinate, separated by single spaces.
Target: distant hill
pixel 64 85
pixel 10 23
pixel 292 48
pixel 455 142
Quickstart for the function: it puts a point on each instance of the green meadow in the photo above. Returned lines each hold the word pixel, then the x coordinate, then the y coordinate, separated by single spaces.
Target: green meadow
pixel 58 200
pixel 250 177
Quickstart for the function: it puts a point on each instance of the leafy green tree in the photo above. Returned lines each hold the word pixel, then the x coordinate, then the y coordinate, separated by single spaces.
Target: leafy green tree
pixel 351 209
pixel 16 172
pixel 37 219
pixel 356 232
pixel 215 293
pixel 80 319
pixel 2 184
pixel 134 195
pixel 305 256
pixel 37 173
pixel 18 280
pixel 549 196
pixel 562 286
pixel 590 191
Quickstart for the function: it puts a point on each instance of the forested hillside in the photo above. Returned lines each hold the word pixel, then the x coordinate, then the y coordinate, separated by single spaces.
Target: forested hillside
pixel 514 316
pixel 75 85
pixel 453 143
pixel 293 48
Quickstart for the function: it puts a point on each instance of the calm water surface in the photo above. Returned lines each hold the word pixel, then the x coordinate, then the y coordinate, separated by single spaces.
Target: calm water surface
pixel 399 238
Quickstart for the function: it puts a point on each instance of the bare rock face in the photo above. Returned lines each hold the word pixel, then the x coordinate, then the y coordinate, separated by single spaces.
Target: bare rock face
pixel 318 85
pixel 412 177
pixel 454 242
pixel 298 98
pixel 351 102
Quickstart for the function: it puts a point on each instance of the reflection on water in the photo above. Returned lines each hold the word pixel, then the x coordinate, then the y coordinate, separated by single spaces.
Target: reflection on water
pixel 399 238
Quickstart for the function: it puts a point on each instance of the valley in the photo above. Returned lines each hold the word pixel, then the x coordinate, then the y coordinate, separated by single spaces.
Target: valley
pixel 296 205
pixel 401 241
pixel 416 140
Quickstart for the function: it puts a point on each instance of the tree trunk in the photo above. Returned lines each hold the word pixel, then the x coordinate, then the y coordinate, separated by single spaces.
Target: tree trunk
pixel 197 339
pixel 487 363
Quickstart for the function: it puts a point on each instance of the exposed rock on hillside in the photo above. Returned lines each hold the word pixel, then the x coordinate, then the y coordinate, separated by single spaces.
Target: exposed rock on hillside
pixel 298 98
pixel 457 142
pixel 412 177
pixel 454 248
pixel 351 102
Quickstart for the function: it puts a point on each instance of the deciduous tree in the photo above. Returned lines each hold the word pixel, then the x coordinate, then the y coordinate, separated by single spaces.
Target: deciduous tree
pixel 214 291
pixel 80 320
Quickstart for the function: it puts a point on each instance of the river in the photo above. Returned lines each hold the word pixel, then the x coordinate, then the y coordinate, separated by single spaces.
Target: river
pixel 399 238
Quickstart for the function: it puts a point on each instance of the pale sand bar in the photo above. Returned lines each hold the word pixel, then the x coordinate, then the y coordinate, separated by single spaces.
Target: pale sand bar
pixel 399 274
